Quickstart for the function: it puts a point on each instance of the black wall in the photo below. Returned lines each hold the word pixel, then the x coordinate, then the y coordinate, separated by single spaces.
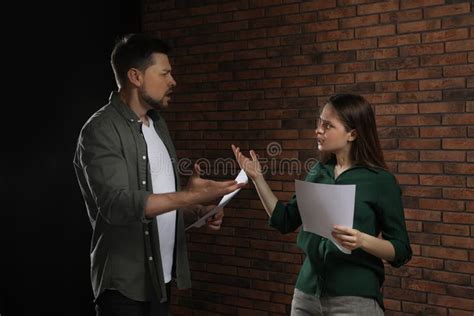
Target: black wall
pixel 58 74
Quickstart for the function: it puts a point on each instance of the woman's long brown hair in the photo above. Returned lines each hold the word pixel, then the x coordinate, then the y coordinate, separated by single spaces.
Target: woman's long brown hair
pixel 357 114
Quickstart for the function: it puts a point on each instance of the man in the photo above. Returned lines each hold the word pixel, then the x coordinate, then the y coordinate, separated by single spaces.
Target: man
pixel 125 163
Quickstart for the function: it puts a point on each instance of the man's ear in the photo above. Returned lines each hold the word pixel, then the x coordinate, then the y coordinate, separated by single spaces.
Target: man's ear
pixel 352 135
pixel 135 77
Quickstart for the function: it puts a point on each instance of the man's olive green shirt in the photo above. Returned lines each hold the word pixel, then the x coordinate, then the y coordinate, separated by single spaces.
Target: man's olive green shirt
pixel 111 164
pixel 326 270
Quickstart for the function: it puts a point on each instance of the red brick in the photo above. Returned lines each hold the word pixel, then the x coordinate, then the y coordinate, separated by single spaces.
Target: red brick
pixel 341 12
pixel 445 181
pixel 448 277
pixel 419 96
pixel 419 73
pixel 418 26
pixel 458 119
pixel 401 16
pixel 396 86
pixel 460 218
pixel 460 267
pixel 422 49
pixel 336 79
pixel 399 40
pixel 282 10
pixel 335 35
pixel 463 194
pixel 442 131
pixel 357 44
pixel 441 107
pixel 436 84
pixel 377 53
pixel 418 120
pixel 316 70
pixel 442 205
pixel 392 304
pixel 376 76
pixel 400 155
pixel 422 215
pixel 424 286
pixel 385 120
pixel 355 67
pixel 420 143
pixel 419 3
pixel 284 30
pixel 459 168
pixel 444 253
pixel 446 229
pixel 457 21
pixel 377 98
pixel 458 143
pixel 396 109
pixel 420 167
pixel 459 46
pixel 397 63
pixel 359 21
pixel 443 156
pixel 429 263
pixel 444 59
pixel 233 26
pixel 316 5
pixel 458 242
pixel 248 14
pixel 460 291
pixel 320 26
pixel 405 295
pixel 299 82
pixel 445 10
pixel 420 191
pixel 446 35
pixel 316 91
pixel 372 31
pixel 410 308
pixel 450 301
pixel 390 5
pixel 456 71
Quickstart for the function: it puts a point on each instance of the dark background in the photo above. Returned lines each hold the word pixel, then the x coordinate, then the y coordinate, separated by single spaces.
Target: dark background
pixel 57 74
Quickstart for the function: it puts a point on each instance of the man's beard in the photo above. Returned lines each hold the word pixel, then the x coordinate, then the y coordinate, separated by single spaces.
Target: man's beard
pixel 154 103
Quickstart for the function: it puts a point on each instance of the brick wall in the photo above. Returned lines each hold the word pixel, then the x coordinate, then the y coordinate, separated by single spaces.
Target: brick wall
pixel 253 73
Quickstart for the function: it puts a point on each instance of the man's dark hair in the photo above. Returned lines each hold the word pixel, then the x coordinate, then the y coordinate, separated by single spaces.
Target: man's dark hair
pixel 135 51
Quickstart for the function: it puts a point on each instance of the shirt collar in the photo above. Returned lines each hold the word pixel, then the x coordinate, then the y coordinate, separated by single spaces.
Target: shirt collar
pixel 126 112
pixel 331 163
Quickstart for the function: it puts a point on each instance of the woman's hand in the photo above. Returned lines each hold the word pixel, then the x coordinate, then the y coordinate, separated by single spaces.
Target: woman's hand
pixel 252 167
pixel 215 221
pixel 348 237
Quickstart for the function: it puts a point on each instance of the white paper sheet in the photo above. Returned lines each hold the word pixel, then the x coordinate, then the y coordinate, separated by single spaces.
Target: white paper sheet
pixel 322 206
pixel 241 178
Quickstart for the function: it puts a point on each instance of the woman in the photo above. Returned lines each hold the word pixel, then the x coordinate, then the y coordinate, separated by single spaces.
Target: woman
pixel 331 282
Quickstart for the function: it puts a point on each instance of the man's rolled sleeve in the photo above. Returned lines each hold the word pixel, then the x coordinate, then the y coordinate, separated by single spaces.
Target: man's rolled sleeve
pixel 105 170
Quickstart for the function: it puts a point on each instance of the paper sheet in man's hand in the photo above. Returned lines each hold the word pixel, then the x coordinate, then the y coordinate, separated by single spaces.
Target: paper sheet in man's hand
pixel 241 178
pixel 322 206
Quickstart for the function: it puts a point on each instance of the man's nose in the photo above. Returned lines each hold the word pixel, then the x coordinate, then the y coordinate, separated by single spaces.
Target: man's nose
pixel 173 82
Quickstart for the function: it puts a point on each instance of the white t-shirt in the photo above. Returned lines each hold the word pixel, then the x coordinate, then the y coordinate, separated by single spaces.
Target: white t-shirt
pixel 162 180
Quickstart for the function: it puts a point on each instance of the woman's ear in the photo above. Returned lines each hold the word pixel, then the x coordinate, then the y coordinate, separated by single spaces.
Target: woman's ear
pixel 352 135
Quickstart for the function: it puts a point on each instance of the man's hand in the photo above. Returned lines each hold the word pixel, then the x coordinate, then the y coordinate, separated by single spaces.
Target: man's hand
pixel 203 190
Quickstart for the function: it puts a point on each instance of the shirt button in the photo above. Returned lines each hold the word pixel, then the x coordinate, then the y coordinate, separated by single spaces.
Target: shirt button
pixel 146 232
pixel 132 120
pixel 144 157
pixel 143 182
pixel 150 258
